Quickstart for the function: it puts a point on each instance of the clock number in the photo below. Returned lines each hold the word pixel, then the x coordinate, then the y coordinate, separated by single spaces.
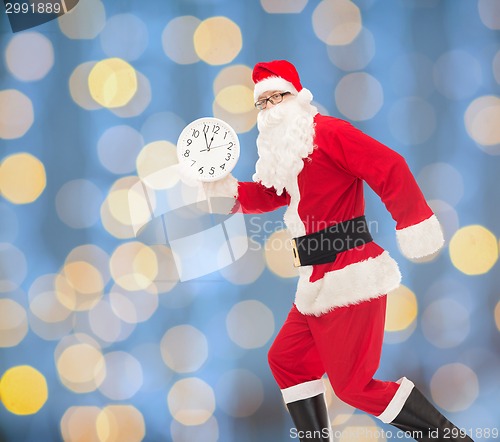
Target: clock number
pixel 201 170
pixel 223 166
pixel 187 152
pixel 196 133
pixel 228 157
pixel 193 163
pixel 205 128
pixel 230 145
pixel 216 129
pixel 225 135
pixel 189 141
pixel 212 170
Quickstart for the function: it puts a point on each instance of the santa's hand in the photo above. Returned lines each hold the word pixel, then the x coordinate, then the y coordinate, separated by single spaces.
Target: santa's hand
pixel 226 187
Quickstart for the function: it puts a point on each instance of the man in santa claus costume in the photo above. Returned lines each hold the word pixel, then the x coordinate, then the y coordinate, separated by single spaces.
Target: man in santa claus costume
pixel 316 165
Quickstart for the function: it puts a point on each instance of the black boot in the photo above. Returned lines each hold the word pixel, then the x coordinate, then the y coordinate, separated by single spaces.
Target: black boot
pixel 311 420
pixel 426 424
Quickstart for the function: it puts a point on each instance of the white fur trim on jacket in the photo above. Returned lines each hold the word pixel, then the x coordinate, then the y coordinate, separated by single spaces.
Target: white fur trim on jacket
pixel 398 401
pixel 273 84
pixel 303 391
pixel 422 239
pixel 353 284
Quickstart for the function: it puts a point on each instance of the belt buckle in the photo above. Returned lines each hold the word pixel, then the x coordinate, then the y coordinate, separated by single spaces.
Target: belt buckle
pixel 295 250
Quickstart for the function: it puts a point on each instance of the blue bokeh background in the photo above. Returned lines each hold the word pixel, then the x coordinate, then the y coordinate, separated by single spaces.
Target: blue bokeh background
pixel 428 62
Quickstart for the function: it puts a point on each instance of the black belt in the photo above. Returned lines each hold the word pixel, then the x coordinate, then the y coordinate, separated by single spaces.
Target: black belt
pixel 323 246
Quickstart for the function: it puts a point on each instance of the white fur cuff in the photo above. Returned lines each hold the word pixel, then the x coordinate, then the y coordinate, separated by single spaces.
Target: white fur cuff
pixel 303 391
pixel 422 239
pixel 227 187
pixel 398 401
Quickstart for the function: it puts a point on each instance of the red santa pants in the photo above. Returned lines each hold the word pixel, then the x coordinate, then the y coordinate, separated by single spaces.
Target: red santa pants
pixel 345 343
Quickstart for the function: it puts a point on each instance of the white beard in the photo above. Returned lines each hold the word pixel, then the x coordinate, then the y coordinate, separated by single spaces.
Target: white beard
pixel 286 137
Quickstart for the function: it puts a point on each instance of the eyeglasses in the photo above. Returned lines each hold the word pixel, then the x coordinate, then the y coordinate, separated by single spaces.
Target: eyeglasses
pixel 274 99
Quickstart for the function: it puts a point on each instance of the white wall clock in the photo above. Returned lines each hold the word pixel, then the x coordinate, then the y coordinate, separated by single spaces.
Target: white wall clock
pixel 208 149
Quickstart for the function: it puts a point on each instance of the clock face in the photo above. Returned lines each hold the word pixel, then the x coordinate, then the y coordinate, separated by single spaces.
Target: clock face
pixel 209 149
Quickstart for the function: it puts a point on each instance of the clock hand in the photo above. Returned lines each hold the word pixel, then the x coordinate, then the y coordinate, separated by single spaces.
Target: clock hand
pixel 206 142
pixel 220 145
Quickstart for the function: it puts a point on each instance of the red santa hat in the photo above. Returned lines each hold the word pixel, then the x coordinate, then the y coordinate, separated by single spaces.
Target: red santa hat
pixel 276 75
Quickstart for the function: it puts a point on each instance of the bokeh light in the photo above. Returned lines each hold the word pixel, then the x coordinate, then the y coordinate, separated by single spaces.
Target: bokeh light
pixel 359 96
pixel 402 309
pixel 85 21
pixel 78 203
pixel 247 269
pixel 457 74
pixel 139 102
pixel 123 376
pixel 178 39
pixel 217 40
pixel 23 390
pixel 106 325
pixel 446 323
pixel 356 55
pixel 441 181
pixel 124 36
pixel 473 250
pixel 480 118
pixel 360 428
pixel 16 113
pixel 22 178
pixel 81 366
pixel 447 216
pixel 133 306
pixel 79 286
pixel 278 254
pixel 115 210
pixel 79 424
pixel 283 6
pixel 239 393
pixel 118 147
pixel 336 22
pixel 184 348
pixel 116 423
pixel 233 90
pixel 154 165
pixel 250 324
pixel 79 86
pixel 489 12
pixel 29 56
pixel 112 82
pixel 95 309
pixel 14 323
pixel 235 99
pixel 191 401
pixel 133 266
pixel 454 387
pixel 162 126
pixel 50 319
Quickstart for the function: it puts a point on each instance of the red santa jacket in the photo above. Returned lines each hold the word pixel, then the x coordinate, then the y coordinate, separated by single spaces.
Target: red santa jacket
pixel 329 190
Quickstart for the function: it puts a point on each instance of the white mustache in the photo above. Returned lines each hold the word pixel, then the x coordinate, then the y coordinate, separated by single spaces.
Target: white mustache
pixel 272 117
